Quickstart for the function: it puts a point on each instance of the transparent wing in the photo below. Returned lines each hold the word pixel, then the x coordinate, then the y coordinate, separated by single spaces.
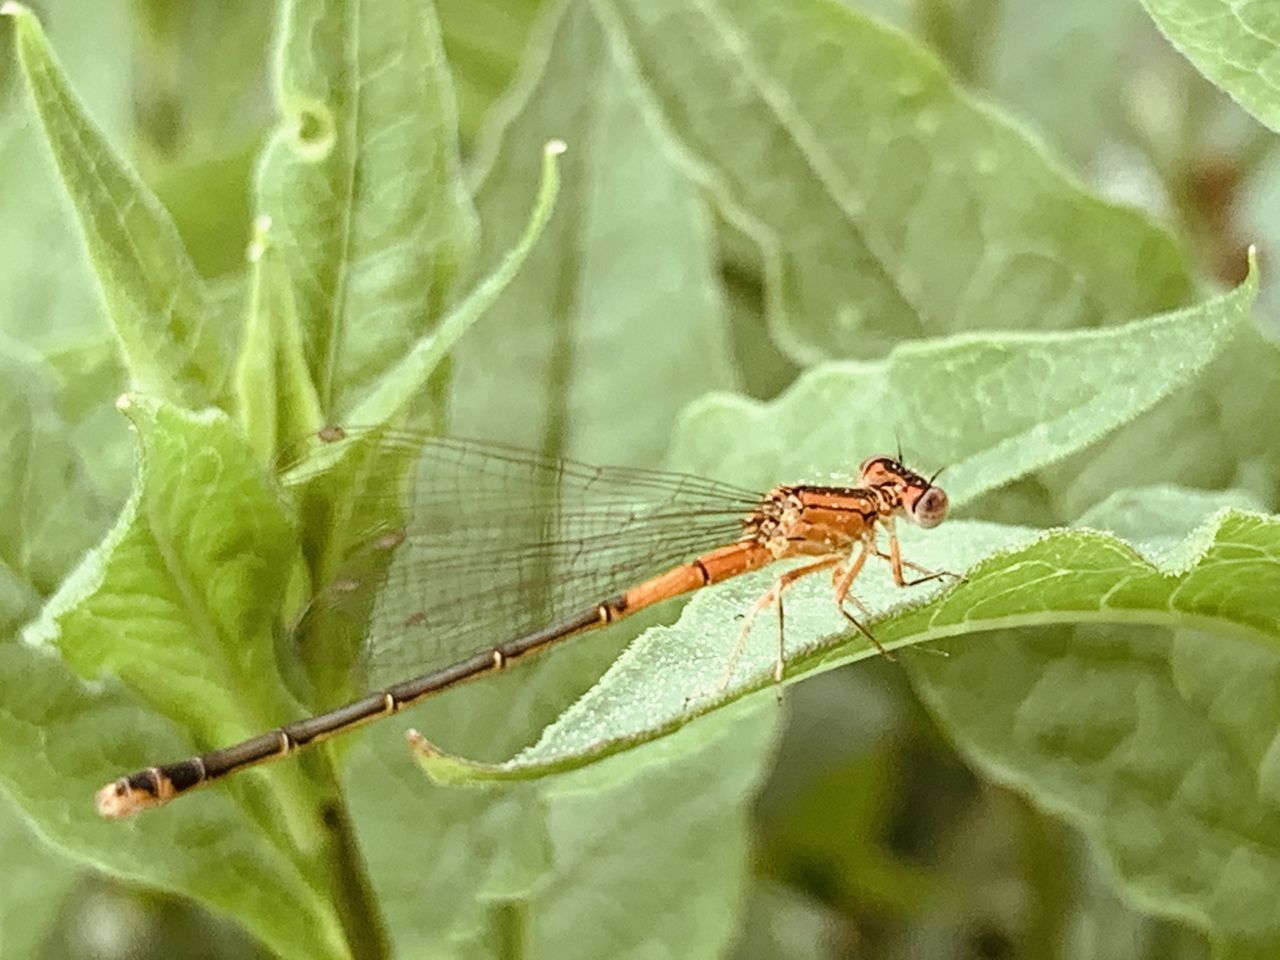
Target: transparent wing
pixel 475 543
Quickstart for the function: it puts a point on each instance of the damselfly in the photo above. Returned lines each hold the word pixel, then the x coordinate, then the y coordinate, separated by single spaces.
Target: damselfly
pixel 482 554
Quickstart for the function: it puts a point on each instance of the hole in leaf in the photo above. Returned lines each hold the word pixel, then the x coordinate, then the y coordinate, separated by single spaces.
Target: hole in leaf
pixel 313 131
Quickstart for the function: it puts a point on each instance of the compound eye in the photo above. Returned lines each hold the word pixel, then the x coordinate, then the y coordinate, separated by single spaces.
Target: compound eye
pixel 931 508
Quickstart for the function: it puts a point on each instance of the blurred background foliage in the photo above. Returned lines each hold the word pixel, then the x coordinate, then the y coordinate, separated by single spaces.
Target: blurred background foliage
pixel 870 836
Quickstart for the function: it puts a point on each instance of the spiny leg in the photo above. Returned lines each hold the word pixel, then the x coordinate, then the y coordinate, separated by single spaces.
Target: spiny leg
pixel 836 576
pixel 896 563
pixel 766 600
pixel 842 586
pixel 928 574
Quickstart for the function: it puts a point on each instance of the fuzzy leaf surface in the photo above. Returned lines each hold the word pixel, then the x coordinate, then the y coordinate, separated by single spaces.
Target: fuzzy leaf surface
pixel 888 203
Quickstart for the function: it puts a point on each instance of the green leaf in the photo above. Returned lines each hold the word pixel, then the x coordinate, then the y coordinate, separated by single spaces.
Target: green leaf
pixel 1217 434
pixel 682 809
pixel 1158 744
pixel 50 296
pixel 672 675
pixel 90 378
pixel 37 882
pixel 276 398
pixel 1054 395
pixel 396 392
pixel 61 738
pixel 362 186
pixel 1224 578
pixel 171 617
pixel 888 203
pixel 155 300
pixel 629 249
pixel 1062 65
pixel 203 543
pixel 537 858
pixel 1235 43
pixel 53 512
pixel 988 407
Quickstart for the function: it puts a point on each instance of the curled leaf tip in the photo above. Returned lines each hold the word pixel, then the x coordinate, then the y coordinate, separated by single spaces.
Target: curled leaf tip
pixel 420 744
pixel 124 402
pixel 445 767
pixel 12 9
pixel 555 147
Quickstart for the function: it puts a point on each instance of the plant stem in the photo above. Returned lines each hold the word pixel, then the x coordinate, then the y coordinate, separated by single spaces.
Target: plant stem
pixel 353 893
pixel 341 860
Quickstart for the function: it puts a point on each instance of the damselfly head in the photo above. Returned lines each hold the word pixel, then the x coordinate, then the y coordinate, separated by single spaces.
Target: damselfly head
pixel 923 503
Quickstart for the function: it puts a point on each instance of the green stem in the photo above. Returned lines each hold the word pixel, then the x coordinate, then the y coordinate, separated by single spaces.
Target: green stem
pixel 511 929
pixel 350 889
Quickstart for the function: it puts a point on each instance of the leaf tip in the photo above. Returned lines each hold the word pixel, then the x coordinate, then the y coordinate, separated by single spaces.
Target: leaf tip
pixel 124 403
pixel 442 767
pixel 11 8
pixel 554 148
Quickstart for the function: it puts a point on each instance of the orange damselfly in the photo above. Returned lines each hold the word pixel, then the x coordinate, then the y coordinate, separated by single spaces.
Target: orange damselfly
pixel 491 553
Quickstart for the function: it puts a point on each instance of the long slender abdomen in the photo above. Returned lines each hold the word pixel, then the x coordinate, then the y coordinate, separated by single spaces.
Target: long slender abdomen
pixel 713 567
